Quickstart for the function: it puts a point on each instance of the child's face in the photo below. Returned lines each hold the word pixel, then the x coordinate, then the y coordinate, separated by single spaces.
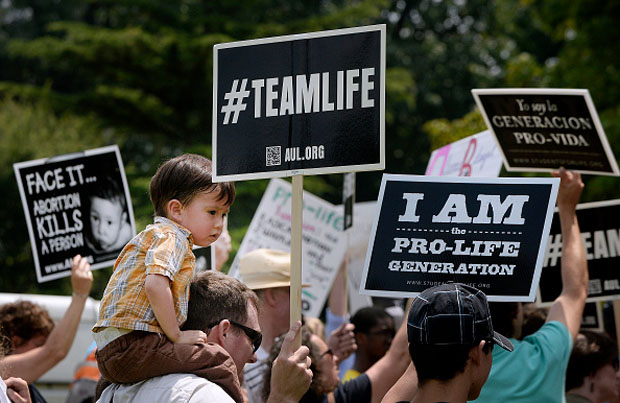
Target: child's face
pixel 106 221
pixel 203 217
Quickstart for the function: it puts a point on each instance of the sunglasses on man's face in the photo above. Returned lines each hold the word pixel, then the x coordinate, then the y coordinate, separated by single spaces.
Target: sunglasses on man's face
pixel 255 336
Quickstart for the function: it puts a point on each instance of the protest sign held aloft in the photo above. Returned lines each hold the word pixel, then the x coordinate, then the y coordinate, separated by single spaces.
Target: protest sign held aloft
pixel 324 242
pixel 299 104
pixel 600 230
pixel 476 155
pixel 75 204
pixel 543 129
pixel 489 233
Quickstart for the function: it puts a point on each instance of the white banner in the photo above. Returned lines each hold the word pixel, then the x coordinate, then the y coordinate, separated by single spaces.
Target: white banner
pixel 324 243
pixel 476 155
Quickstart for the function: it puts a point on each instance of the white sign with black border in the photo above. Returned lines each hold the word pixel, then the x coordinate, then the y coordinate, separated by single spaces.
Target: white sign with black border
pixel 324 241
pixel 542 129
pixel 476 155
pixel 75 204
pixel 300 104
pixel 487 232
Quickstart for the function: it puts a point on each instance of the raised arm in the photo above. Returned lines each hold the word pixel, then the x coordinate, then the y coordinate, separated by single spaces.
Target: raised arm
pixel 30 365
pixel 385 372
pixel 568 307
pixel 342 339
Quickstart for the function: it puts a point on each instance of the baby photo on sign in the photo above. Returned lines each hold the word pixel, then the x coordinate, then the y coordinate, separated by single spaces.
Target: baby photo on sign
pixel 75 204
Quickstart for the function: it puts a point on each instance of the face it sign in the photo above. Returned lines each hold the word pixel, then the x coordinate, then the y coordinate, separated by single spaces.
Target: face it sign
pixel 299 104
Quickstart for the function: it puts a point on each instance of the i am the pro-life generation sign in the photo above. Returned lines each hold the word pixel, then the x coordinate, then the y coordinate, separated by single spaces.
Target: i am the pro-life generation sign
pixel 599 223
pixel 75 204
pixel 486 232
pixel 545 129
pixel 299 104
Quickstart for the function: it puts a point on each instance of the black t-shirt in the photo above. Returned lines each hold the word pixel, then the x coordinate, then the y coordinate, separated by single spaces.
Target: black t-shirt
pixel 358 390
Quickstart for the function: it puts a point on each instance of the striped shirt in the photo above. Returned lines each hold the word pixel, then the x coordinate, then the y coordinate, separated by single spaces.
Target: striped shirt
pixel 163 248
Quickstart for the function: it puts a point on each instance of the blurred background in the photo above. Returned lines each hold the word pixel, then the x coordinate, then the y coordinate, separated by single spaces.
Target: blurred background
pixel 82 74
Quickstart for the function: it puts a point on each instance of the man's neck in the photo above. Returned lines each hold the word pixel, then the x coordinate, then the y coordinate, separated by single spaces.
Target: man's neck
pixel 452 391
pixel 362 362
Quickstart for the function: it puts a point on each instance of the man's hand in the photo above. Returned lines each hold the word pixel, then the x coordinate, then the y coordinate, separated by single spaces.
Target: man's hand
pixel 17 390
pixel 191 337
pixel 571 187
pixel 81 276
pixel 290 373
pixel 342 342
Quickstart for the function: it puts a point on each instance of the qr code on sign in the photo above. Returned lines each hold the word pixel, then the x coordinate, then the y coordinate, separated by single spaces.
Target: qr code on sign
pixel 274 156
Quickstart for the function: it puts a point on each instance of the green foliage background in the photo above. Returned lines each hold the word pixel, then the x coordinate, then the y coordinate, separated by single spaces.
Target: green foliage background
pixel 79 74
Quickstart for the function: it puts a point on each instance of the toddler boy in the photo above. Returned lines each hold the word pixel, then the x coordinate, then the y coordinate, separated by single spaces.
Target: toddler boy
pixel 144 305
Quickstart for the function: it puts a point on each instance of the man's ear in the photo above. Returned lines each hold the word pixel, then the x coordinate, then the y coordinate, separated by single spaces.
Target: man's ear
pixel 270 297
pixel 477 352
pixel 175 209
pixel 219 332
pixel 16 341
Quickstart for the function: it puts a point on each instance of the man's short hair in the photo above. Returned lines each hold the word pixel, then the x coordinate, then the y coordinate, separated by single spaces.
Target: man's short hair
pixel 368 317
pixel 591 352
pixel 215 296
pixel 444 323
pixel 182 178
pixel 25 320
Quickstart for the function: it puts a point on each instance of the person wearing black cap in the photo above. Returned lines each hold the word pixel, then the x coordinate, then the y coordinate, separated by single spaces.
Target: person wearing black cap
pixel 450 335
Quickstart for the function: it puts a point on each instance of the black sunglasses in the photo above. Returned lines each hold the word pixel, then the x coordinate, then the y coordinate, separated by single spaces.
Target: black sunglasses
pixel 255 336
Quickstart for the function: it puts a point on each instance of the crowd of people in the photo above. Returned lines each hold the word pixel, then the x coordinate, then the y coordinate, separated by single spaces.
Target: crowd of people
pixel 166 333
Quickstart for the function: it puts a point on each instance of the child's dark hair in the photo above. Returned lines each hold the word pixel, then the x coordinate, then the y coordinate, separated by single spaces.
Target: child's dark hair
pixel 109 189
pixel 182 178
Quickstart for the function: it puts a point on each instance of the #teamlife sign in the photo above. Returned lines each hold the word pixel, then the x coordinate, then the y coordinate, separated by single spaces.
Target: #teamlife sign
pixel 75 204
pixel 299 104
pixel 599 223
pixel 544 129
pixel 475 155
pixel 486 232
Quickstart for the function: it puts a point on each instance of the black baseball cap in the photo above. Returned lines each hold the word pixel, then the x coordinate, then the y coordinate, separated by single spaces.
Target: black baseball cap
pixel 452 313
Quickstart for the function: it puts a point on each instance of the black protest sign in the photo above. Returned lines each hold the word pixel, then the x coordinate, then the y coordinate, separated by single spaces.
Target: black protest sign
pixel 204 258
pixel 592 316
pixel 599 223
pixel 544 129
pixel 348 198
pixel 75 204
pixel 489 233
pixel 299 104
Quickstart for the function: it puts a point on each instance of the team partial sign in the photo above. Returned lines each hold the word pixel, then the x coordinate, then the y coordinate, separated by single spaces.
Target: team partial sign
pixel 599 223
pixel 489 233
pixel 544 129
pixel 75 204
pixel 299 104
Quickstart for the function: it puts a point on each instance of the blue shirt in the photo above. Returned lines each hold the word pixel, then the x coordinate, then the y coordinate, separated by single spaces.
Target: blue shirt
pixel 534 372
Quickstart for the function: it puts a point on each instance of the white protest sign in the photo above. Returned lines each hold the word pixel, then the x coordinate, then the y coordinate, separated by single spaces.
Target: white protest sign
pixel 363 218
pixel 475 155
pixel 324 243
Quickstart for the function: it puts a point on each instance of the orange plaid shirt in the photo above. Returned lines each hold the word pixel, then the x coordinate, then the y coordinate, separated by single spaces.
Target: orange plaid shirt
pixel 163 248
